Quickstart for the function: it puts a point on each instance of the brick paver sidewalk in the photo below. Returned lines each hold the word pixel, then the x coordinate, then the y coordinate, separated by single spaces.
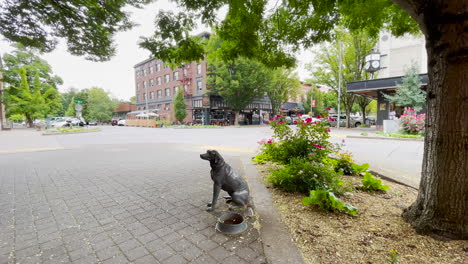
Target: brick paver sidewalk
pixel 140 203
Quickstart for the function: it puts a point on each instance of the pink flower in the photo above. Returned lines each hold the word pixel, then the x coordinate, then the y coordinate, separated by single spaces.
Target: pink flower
pixel 271 118
pixel 331 119
pixel 328 108
pixel 300 172
pixel 328 130
pixel 308 120
pixel 280 123
pixel 299 114
pixel 278 116
pixel 295 122
pixel 318 146
pixel 267 122
pixel 319 116
pixel 270 141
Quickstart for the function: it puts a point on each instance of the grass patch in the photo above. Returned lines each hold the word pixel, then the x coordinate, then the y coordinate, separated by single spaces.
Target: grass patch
pixel 210 126
pixel 70 130
pixel 364 134
pixel 397 135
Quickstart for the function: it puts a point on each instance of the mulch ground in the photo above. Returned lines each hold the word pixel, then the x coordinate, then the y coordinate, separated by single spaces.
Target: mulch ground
pixel 325 237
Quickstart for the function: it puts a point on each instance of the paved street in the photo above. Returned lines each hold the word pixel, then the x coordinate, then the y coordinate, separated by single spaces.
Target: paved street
pixel 119 203
pixel 137 195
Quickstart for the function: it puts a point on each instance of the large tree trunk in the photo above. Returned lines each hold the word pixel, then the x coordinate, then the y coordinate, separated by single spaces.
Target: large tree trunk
pixel 236 117
pixel 442 203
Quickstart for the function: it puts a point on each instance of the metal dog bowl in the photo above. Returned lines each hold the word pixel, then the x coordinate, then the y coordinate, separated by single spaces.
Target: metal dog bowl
pixel 231 223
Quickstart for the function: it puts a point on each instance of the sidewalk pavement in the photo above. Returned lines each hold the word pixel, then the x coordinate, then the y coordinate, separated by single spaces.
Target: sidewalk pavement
pixel 131 203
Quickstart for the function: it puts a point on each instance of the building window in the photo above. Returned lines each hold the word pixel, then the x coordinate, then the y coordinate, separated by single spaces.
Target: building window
pixel 158 106
pixel 185 88
pixel 159 94
pixel 198 69
pixel 151 82
pixel 167 92
pixel 144 85
pixel 197 103
pixel 138 86
pixel 199 85
pixel 167 107
pixel 176 89
pixel 151 70
pixel 152 95
pixel 137 72
pixel 185 72
pixel 176 76
pixel 144 97
pixel 144 72
pixel 158 67
pixel 158 81
pixel 166 78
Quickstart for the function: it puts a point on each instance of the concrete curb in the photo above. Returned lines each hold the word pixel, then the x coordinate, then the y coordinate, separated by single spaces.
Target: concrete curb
pixel 277 243
pixel 387 138
pixel 392 179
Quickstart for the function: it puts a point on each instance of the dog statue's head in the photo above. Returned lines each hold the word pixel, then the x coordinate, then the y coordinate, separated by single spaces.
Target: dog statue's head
pixel 213 156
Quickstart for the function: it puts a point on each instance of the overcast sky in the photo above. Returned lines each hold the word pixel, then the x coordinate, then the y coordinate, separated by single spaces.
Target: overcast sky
pixel 116 75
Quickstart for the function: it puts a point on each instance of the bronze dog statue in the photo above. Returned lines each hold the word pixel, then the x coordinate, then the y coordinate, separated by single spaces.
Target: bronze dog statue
pixel 226 178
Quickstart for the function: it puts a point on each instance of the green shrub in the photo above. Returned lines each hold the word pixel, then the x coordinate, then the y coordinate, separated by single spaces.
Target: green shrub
pixel 309 140
pixel 327 200
pixel 261 158
pixel 302 175
pixel 345 164
pixel 358 169
pixel 370 183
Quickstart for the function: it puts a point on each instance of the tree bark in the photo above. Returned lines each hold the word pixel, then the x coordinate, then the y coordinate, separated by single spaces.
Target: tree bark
pixel 236 117
pixel 441 207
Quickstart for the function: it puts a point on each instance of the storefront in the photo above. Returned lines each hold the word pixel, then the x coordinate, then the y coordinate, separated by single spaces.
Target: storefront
pixel 374 89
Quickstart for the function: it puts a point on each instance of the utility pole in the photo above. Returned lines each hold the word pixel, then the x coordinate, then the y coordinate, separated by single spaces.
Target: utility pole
pixel 339 87
pixel 2 110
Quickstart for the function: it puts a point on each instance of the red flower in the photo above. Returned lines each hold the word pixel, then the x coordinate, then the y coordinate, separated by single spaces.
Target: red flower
pixel 319 116
pixel 278 116
pixel 299 114
pixel 318 146
pixel 280 123
pixel 331 119
pixel 308 120
pixel 267 122
pixel 328 108
pixel 295 122
pixel 271 118
pixel 270 141
pixel 328 130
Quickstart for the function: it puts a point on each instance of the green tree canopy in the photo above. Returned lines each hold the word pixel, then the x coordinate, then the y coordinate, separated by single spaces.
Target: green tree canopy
pixel 284 84
pixel 352 48
pixel 238 82
pixel 180 106
pixel 33 101
pixel 87 26
pixel 99 105
pixel 409 93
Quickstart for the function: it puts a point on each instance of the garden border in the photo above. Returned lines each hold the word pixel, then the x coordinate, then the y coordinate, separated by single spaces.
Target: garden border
pixel 277 242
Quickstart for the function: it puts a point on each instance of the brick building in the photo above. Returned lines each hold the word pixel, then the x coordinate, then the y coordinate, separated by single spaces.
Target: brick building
pixel 156 86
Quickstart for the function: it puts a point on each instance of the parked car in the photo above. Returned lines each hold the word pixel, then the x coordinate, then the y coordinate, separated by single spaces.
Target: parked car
pixel 121 122
pixel 92 123
pixel 353 122
pixel 114 122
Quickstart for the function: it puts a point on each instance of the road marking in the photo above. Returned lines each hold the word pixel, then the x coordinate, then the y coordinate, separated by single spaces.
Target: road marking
pixel 30 150
pixel 227 149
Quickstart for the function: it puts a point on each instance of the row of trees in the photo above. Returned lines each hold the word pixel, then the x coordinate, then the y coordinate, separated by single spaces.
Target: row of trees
pixel 270 34
pixel 32 93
